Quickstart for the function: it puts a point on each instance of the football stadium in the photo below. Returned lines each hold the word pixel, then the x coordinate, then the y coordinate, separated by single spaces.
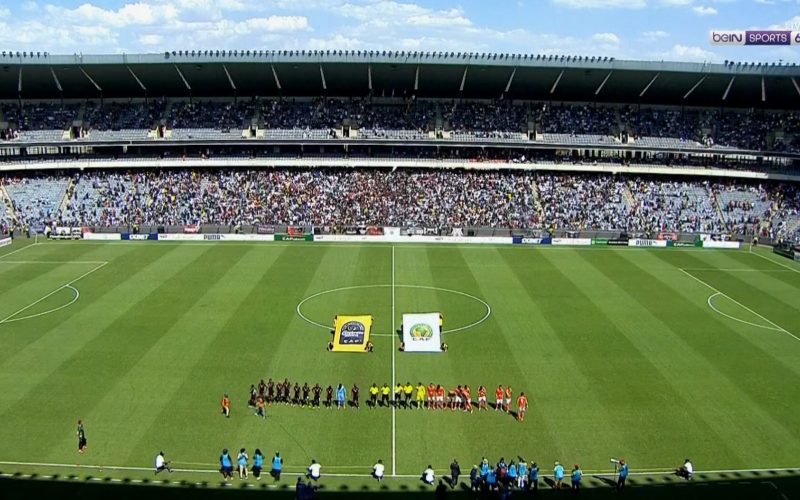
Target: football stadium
pixel 336 273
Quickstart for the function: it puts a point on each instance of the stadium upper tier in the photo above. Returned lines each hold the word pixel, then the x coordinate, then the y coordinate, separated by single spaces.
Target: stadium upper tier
pixel 440 121
pixel 406 198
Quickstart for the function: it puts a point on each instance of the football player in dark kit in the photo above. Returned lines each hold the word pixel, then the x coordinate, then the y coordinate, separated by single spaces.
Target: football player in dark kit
pixel 270 392
pixel 329 397
pixel 306 390
pixel 286 388
pixel 296 398
pixel 354 392
pixel 317 390
pixel 81 437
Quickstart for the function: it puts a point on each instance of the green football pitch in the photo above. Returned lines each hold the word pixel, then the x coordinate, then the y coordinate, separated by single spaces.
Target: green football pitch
pixel 653 355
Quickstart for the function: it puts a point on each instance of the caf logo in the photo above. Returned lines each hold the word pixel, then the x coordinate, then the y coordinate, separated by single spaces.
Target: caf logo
pixel 421 331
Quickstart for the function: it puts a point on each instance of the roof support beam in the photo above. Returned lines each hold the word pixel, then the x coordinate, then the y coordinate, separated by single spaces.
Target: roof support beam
pixel 183 78
pixel 141 85
pixel 55 79
pixel 19 81
pixel 647 87
pixel 555 83
pixel 369 77
pixel 322 76
pixel 416 79
pixel 763 90
pixel 510 79
pixel 687 94
pixel 96 86
pixel 728 88
pixel 275 75
pixel 796 86
pixel 463 79
pixel 603 83
pixel 230 78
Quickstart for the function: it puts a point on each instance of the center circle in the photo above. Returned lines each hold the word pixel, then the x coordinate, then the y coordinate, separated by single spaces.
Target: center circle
pixel 420 287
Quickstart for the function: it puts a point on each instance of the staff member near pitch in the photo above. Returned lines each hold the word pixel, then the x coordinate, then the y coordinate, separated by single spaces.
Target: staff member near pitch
pixel 81 437
pixel 623 475
pixel 277 466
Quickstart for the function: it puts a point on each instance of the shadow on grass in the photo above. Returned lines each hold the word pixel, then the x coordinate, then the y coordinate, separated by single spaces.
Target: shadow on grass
pixel 771 487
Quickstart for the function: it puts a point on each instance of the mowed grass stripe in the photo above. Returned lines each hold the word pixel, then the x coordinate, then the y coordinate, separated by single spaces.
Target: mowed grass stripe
pixel 145 360
pixel 608 358
pixel 93 341
pixel 779 305
pixel 635 310
pixel 190 334
pixel 750 360
pixel 563 380
pixel 521 337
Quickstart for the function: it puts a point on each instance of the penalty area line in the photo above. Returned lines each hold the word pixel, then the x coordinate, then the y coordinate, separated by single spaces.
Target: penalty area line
pixel 777 327
pixel 8 318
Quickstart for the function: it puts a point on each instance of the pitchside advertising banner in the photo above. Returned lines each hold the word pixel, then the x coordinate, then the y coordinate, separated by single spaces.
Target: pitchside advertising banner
pixel 422 332
pixel 294 237
pixel 524 240
pixel 5 242
pixel 647 243
pixel 351 333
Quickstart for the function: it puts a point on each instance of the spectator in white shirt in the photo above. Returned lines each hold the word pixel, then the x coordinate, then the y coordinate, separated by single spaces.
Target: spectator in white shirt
pixel 428 476
pixel 161 463
pixel 314 470
pixel 377 470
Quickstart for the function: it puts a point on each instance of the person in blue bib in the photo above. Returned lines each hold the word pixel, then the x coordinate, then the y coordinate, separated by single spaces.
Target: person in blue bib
pixel 522 471
pixel 533 477
pixel 258 464
pixel 484 469
pixel 226 465
pixel 491 479
pixel 241 460
pixel 277 466
pixel 577 475
pixel 558 474
pixel 623 475
pixel 512 473
pixel 341 395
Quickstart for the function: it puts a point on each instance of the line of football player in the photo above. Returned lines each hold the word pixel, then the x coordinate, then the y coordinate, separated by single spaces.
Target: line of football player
pixel 431 397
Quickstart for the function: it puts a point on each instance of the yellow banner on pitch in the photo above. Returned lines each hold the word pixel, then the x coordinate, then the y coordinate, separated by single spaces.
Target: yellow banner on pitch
pixel 351 333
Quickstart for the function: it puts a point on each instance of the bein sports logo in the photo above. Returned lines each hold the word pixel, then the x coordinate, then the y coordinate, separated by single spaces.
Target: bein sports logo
pixel 352 332
pixel 421 331
pixel 754 37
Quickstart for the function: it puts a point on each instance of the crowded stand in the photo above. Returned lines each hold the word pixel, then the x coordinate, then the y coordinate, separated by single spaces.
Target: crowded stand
pixel 410 118
pixel 406 197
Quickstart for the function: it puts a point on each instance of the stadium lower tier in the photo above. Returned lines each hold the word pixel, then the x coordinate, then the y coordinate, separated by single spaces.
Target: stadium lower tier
pixel 428 198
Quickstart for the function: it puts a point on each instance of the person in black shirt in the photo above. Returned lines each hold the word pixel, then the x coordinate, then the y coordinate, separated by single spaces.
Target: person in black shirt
pixel 270 392
pixel 455 471
pixel 81 437
pixel 262 389
pixel 354 392
pixel 329 397
pixel 306 389
pixel 286 388
pixel 296 399
pixel 317 390
pixel 253 395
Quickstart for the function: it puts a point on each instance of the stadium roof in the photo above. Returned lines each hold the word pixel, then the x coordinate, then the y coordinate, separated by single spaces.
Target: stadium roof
pixel 211 73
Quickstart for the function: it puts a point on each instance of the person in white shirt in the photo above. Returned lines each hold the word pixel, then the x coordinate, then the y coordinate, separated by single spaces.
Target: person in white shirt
pixel 161 463
pixel 314 470
pixel 377 470
pixel 686 471
pixel 428 476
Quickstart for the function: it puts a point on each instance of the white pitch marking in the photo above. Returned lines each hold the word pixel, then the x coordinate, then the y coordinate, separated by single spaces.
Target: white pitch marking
pixel 75 298
pixel 711 305
pixel 18 250
pixel 779 328
pixel 54 262
pixel 394 407
pixel 740 270
pixel 356 287
pixel 644 472
pixel 793 269
pixel 51 293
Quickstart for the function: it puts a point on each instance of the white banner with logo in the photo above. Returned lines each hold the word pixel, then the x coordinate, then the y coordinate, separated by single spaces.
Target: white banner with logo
pixel 422 332
pixel 5 242
pixel 648 243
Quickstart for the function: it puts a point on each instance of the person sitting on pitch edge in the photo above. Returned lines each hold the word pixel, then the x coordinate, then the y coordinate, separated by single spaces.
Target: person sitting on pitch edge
pixel 685 471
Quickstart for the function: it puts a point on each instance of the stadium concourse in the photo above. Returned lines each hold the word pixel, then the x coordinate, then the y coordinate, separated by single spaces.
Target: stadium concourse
pixel 431 198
